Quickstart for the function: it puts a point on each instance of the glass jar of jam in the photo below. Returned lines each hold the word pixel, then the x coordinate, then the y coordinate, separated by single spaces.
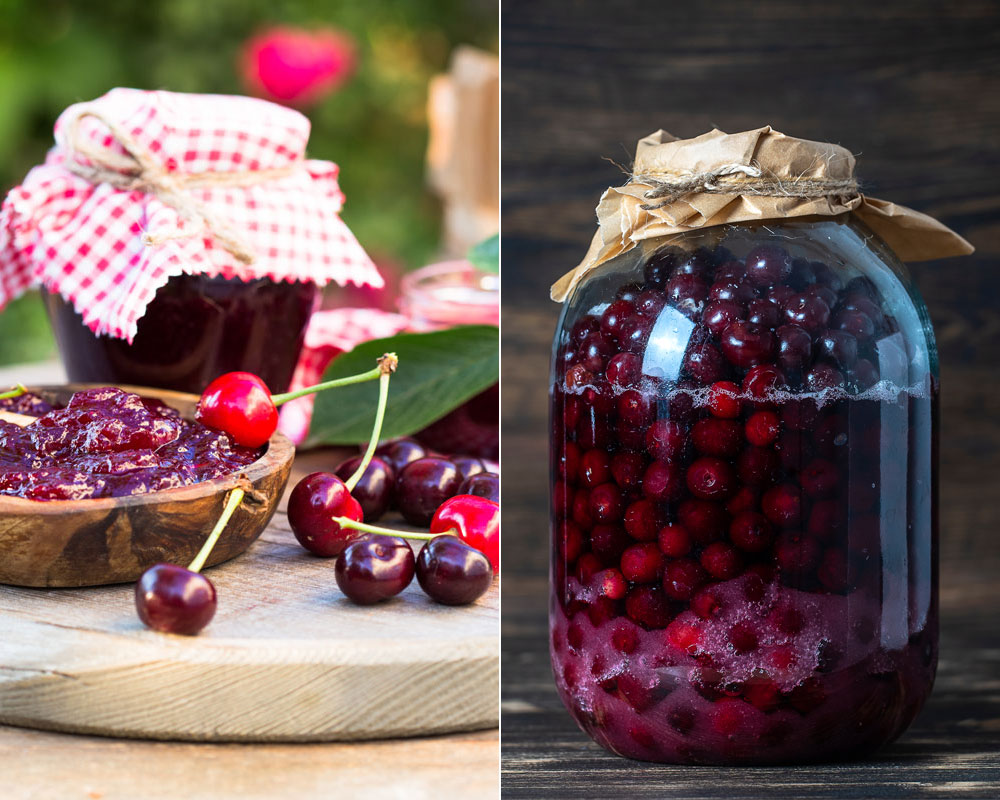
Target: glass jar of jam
pixel 744 496
pixel 196 328
pixel 440 296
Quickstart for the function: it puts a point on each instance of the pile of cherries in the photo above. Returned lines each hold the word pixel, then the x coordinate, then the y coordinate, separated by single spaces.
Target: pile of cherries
pixel 713 533
pixel 455 567
pixel 457 494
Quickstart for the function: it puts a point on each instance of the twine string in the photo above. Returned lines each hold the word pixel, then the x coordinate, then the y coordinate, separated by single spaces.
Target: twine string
pixel 138 170
pixel 746 179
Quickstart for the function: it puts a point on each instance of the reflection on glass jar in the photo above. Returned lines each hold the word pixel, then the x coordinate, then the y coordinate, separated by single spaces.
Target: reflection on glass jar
pixel 744 563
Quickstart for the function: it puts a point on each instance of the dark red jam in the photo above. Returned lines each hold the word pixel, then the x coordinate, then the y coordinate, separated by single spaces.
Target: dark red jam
pixel 108 443
pixel 744 562
pixel 195 329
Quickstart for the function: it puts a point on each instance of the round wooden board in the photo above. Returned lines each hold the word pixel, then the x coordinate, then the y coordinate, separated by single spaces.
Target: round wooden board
pixel 286 658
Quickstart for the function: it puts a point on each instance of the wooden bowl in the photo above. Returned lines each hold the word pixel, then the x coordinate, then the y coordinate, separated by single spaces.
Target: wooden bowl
pixel 114 539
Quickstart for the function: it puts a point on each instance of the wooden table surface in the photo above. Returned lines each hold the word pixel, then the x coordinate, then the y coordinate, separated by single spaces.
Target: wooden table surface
pixel 42 765
pixel 914 89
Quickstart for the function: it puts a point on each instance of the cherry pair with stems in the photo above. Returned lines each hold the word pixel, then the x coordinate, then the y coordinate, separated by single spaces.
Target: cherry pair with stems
pixel 376 565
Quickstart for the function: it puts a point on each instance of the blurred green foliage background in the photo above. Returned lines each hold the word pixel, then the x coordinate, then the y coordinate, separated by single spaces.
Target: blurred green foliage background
pixel 56 52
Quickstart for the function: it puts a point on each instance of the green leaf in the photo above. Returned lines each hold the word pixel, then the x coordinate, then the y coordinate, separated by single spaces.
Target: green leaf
pixel 486 254
pixel 437 372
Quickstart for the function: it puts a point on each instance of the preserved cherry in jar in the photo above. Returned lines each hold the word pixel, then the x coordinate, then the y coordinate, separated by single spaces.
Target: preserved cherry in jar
pixel 744 495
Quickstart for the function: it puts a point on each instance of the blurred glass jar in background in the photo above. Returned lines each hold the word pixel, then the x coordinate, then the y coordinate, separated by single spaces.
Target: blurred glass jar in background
pixel 441 296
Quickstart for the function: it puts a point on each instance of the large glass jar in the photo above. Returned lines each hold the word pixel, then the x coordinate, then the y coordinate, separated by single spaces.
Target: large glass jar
pixel 744 496
pixel 195 329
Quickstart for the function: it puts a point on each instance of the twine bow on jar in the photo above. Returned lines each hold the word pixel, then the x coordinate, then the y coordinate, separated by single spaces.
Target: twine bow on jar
pixel 138 170
pixel 743 179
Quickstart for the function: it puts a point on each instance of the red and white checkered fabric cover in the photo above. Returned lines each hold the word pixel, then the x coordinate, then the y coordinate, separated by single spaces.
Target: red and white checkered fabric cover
pixel 86 241
pixel 329 334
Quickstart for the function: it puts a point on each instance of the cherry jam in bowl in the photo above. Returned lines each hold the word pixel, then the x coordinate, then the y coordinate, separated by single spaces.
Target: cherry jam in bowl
pixel 111 480
pixel 744 497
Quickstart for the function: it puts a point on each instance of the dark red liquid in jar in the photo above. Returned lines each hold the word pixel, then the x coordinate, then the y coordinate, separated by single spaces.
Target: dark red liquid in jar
pixel 195 329
pixel 748 576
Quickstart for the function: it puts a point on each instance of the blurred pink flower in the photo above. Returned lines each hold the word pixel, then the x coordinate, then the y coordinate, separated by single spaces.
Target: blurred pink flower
pixel 297 66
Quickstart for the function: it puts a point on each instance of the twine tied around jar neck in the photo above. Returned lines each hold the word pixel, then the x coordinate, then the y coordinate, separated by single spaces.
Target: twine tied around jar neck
pixel 137 170
pixel 742 179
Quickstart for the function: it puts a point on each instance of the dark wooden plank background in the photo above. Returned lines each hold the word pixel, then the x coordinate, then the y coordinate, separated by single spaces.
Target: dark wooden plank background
pixel 914 89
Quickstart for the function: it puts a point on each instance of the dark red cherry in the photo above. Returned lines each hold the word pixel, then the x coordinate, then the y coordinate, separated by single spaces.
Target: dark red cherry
pixel 613 317
pixel 856 323
pixel 467 465
pixel 686 292
pixel 400 452
pixel 746 345
pixel 762 381
pixel 647 606
pixel 823 376
pixel 719 314
pixel 629 292
pixel 717 437
pixel 313 503
pixel 768 265
pixel 641 563
pixel 635 332
pixel 674 541
pixel 711 478
pixel 661 265
pixel 782 505
pixel 794 348
pixel 423 485
pixel 485 484
pixel 704 520
pixel 838 347
pixel 624 370
pixel 606 502
pixel 666 440
pixel 627 469
pixel 663 481
pixel 704 362
pixel 374 490
pixel 751 532
pixel 650 303
pixel 762 428
pixel 172 599
pixel 635 408
pixel 762 313
pixel 643 519
pixel 807 311
pixel 451 572
pixel 582 328
pixel 594 352
pixel 682 578
pixel 595 468
pixel 374 568
pixel 722 561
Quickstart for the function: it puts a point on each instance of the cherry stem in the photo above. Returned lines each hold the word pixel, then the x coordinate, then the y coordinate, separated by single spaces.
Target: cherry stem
pixel 387 364
pixel 347 522
pixel 388 361
pixel 235 498
pixel 17 391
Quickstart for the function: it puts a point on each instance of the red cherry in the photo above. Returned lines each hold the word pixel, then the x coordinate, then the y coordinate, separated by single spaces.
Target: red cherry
pixel 173 599
pixel 723 400
pixel 312 505
pixel 240 404
pixel 763 428
pixel 475 520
